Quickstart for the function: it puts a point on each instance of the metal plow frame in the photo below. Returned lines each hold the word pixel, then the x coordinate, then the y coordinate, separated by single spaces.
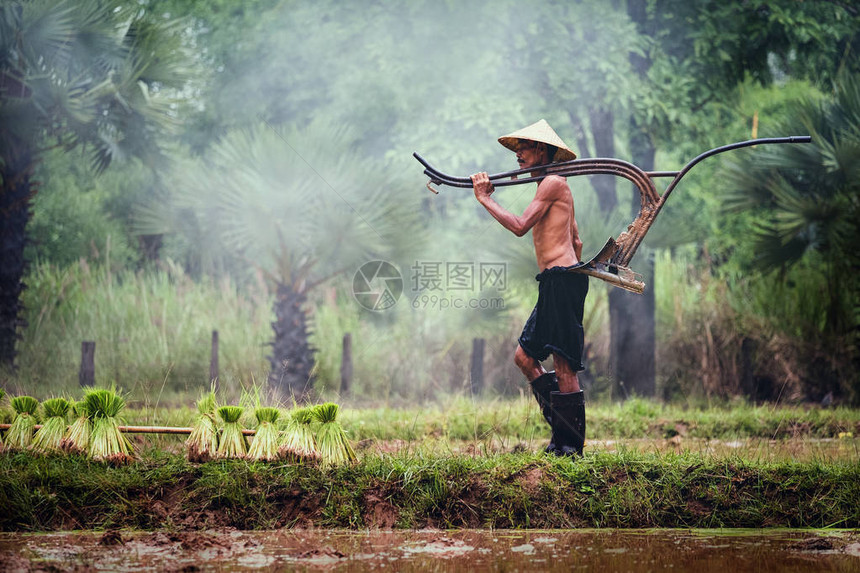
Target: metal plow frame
pixel 611 263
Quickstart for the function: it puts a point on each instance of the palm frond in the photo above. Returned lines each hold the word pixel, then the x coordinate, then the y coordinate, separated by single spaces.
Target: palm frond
pixel 298 203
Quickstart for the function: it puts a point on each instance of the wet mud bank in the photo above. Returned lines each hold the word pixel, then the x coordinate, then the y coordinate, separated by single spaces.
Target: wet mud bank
pixel 631 490
pixel 432 550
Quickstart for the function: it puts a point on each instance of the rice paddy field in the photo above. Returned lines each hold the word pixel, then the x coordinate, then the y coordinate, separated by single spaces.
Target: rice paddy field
pixel 444 478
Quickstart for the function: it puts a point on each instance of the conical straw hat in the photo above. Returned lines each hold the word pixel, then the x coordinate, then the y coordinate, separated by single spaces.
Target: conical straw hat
pixel 543 133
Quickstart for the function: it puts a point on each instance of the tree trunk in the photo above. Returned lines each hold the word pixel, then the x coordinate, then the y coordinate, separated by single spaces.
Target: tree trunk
pixel 15 196
pixel 603 132
pixel 292 356
pixel 631 316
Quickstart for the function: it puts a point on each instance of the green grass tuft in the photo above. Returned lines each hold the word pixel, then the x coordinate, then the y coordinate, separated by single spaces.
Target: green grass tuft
pixel 333 445
pixel 20 434
pixel 107 443
pixel 103 403
pixel 25 405
pixel 230 414
pixel 233 443
pixel 49 437
pixel 265 444
pixel 202 444
pixel 267 414
pixel 56 408
pixel 77 438
pixel 298 444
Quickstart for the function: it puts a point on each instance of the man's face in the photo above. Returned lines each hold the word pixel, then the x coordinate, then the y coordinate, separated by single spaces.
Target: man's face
pixel 530 154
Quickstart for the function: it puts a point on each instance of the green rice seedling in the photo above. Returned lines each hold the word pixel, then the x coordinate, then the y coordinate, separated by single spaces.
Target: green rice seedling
pixel 332 443
pixel 298 444
pixel 20 434
pixel 77 438
pixel 48 438
pixel 107 443
pixel 265 444
pixel 202 444
pixel 233 443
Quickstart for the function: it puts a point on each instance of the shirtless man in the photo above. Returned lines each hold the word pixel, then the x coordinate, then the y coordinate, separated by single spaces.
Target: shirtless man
pixel 555 325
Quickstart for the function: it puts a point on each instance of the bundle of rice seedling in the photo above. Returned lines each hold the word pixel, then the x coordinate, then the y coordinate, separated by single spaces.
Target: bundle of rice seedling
pixel 233 443
pixel 20 434
pixel 107 444
pixel 202 444
pixel 265 444
pixel 332 443
pixel 77 438
pixel 49 436
pixel 298 443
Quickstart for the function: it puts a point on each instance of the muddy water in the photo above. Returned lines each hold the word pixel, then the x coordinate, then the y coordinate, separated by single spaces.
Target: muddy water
pixel 728 551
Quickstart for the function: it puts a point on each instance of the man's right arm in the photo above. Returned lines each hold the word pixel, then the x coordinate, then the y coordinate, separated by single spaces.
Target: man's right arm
pixel 518 225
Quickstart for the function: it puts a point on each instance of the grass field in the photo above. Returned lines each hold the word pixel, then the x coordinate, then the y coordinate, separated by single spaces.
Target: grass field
pixel 474 464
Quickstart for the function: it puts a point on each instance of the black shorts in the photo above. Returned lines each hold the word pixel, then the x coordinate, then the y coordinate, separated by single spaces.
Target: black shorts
pixel 555 325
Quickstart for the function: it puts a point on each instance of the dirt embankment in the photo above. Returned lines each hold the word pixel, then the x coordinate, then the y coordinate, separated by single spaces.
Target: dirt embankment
pixel 505 491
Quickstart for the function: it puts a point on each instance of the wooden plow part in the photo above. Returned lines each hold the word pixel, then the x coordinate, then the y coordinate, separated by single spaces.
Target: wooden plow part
pixel 611 263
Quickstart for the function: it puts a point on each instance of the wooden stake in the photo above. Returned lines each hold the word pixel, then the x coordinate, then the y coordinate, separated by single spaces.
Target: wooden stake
pixel 346 365
pixel 213 362
pixel 87 373
pixel 476 367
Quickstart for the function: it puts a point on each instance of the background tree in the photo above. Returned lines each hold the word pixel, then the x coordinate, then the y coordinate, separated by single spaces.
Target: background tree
pixel 89 75
pixel 298 205
pixel 805 199
pixel 695 56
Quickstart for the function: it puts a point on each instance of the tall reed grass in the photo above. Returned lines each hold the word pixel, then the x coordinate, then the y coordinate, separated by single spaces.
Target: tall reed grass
pixel 152 330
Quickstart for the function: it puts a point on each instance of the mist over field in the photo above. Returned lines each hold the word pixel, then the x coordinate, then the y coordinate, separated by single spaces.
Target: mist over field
pixel 234 166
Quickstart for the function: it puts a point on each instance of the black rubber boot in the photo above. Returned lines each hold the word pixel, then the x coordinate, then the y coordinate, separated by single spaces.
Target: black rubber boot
pixel 542 386
pixel 568 423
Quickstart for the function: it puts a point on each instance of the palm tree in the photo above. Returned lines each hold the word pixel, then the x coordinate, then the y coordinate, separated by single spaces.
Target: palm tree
pixel 808 198
pixel 86 74
pixel 297 205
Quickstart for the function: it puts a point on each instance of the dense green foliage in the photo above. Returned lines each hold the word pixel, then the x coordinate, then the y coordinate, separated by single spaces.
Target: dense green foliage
pixel 292 167
pixel 90 75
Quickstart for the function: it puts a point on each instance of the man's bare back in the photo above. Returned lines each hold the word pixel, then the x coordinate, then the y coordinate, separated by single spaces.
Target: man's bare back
pixel 555 234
